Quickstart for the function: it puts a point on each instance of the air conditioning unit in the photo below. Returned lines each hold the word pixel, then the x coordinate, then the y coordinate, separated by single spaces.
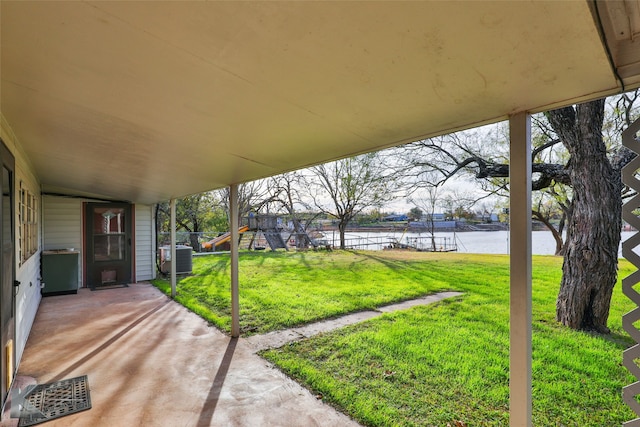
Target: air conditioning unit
pixel 184 263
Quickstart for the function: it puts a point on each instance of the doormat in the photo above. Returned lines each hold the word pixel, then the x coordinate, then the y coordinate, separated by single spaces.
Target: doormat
pixel 47 402
pixel 104 287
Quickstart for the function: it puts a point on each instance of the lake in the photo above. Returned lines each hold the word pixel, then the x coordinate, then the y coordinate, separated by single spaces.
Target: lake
pixel 484 242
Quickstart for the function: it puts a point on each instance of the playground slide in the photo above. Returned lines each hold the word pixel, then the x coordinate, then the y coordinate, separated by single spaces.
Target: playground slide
pixel 211 244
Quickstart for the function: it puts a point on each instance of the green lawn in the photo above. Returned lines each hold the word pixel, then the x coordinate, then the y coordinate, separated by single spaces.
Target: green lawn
pixel 279 289
pixel 428 365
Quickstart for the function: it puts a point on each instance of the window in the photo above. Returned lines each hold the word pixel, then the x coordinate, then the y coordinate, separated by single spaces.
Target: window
pixel 28 231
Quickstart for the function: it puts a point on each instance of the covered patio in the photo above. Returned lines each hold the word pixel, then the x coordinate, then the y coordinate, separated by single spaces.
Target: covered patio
pixel 151 362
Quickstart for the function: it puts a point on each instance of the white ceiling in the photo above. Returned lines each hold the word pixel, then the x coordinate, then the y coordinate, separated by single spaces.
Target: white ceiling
pixel 145 101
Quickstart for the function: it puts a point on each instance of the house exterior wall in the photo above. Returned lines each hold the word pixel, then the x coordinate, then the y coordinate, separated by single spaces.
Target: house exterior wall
pixel 59 226
pixel 27 271
pixel 62 226
pixel 62 222
pixel 145 237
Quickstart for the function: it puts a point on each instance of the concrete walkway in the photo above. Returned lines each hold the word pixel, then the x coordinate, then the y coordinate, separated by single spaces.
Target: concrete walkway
pixel 151 362
pixel 279 338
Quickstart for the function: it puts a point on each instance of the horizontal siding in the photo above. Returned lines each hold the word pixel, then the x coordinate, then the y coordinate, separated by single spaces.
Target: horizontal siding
pixel 62 225
pixel 145 243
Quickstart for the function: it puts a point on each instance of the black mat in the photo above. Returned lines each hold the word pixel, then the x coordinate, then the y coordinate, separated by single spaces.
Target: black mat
pixel 46 402
pixel 110 286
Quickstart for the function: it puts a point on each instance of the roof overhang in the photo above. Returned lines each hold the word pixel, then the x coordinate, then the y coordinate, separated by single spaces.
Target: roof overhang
pixel 146 101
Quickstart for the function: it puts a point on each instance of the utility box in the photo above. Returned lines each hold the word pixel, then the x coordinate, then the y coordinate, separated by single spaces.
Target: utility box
pixel 184 259
pixel 60 272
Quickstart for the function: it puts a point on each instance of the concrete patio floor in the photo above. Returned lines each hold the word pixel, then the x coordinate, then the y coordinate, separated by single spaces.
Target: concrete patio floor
pixel 151 362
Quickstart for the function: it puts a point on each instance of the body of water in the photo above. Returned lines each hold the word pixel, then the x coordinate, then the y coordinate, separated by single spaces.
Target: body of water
pixel 483 242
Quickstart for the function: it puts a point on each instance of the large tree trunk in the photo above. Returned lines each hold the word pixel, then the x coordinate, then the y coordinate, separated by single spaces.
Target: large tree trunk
pixel 342 227
pixel 195 242
pixel 593 233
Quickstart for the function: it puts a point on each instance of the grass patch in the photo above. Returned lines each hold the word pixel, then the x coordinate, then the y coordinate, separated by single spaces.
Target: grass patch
pixel 281 290
pixel 431 365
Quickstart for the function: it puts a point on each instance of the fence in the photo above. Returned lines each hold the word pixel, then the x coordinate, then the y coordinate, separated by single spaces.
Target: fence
pixel 370 241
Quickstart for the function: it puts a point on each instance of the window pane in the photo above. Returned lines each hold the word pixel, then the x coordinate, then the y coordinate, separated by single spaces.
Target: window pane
pixel 108 247
pixel 108 221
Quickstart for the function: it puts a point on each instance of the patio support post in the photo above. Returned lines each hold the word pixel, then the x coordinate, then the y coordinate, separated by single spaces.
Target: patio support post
pixel 520 402
pixel 233 224
pixel 173 247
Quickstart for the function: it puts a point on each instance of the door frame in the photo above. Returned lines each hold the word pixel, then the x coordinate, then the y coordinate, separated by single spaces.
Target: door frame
pixel 8 283
pixel 90 266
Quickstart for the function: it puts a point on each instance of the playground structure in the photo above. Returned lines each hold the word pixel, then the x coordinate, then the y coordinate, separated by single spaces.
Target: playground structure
pixel 222 239
pixel 265 230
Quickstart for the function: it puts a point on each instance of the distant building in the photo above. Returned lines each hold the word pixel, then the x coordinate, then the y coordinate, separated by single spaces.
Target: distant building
pixel 437 217
pixel 395 217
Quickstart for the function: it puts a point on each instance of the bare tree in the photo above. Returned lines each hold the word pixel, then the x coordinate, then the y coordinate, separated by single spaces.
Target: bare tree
pixel 287 195
pixel 593 232
pixel 427 200
pixel 345 188
pixel 576 159
pixel 252 197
